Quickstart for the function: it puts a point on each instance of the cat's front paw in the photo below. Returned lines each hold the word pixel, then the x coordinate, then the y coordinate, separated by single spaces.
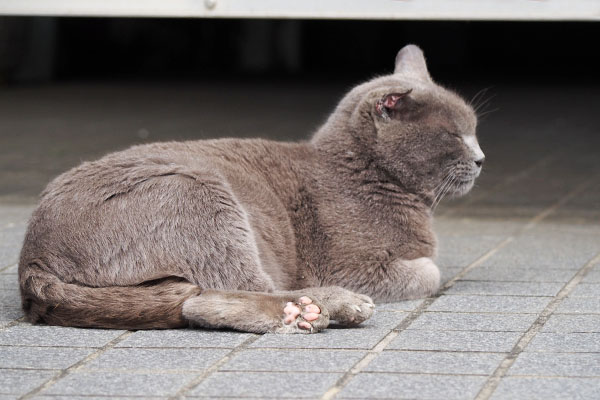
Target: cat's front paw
pixel 355 310
pixel 348 308
pixel 304 315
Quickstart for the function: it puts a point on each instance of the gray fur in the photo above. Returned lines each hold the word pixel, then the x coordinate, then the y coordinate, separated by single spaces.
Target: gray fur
pixel 222 233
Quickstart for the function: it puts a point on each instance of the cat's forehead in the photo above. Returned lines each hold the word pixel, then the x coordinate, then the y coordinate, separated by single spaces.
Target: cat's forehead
pixel 428 94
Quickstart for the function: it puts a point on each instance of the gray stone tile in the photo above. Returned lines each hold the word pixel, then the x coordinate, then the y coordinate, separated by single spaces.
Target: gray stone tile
pixel 448 273
pixel 315 360
pixel 11 240
pixel 408 305
pixel 434 362
pixel 10 313
pixel 75 397
pixel 379 320
pixel 462 249
pixel 9 269
pixel 495 304
pixel 345 338
pixel 156 360
pixel 455 341
pixel 593 276
pixel 510 273
pixel 119 384
pixel 586 290
pixel 40 357
pixel 266 384
pixel 398 386
pixel 9 282
pixel 579 305
pixel 548 246
pixel 10 298
pixel 553 364
pixel 452 226
pixel 19 382
pixel 452 321
pixel 548 388
pixel 565 342
pixel 14 215
pixel 572 323
pixel 42 335
pixel 184 338
pixel 506 288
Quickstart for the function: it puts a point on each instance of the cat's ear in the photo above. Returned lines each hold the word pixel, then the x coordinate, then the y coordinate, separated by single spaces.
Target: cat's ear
pixel 390 103
pixel 410 61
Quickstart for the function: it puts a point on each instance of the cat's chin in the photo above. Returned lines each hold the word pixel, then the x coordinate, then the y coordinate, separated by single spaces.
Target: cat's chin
pixel 462 188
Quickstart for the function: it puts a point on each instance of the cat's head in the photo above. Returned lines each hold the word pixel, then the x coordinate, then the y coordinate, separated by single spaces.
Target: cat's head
pixel 419 133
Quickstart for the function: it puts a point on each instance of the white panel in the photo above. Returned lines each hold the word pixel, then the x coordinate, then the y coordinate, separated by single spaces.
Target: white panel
pixel 333 9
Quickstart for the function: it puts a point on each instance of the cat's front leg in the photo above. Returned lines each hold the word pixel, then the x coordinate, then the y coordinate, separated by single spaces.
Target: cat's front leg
pixel 410 279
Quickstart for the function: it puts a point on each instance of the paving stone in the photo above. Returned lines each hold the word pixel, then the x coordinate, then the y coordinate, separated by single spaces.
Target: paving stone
pixel 496 304
pixel 40 357
pixel 506 288
pixel 184 338
pixel 119 383
pixel 462 250
pixel 11 240
pixel 399 386
pixel 67 397
pixel 565 342
pixel 453 321
pixel 10 297
pixel 379 320
pixel 10 313
pixel 408 305
pixel 315 360
pixel 448 273
pixel 579 305
pixel 452 226
pixel 546 247
pixel 455 341
pixel 511 388
pixel 9 282
pixel 266 384
pixel 345 338
pixel 553 364
pixel 572 323
pixel 593 276
pixel 428 362
pixel 509 273
pixel 19 382
pixel 586 290
pixel 9 269
pixel 154 360
pixel 14 215
pixel 56 336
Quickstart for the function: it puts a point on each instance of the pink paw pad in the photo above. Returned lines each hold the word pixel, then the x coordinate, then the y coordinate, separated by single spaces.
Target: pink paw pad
pixel 304 308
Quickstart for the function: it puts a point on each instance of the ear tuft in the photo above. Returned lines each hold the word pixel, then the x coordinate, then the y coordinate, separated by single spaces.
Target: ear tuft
pixel 411 61
pixel 389 102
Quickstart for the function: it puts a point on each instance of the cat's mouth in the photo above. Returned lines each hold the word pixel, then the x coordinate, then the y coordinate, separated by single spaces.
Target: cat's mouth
pixel 455 184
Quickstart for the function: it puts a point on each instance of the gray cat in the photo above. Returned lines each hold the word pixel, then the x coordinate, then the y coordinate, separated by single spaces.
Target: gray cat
pixel 255 235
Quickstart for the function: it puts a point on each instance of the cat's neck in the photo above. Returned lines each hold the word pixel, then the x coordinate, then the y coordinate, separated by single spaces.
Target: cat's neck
pixel 355 173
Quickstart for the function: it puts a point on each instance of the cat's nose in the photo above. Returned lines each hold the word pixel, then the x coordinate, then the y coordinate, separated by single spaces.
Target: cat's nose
pixel 479 162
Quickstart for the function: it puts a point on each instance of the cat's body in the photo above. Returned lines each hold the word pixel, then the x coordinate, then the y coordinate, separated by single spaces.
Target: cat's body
pixel 172 234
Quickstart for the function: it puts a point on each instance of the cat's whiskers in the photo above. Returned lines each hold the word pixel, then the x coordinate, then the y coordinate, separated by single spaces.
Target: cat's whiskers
pixel 443 188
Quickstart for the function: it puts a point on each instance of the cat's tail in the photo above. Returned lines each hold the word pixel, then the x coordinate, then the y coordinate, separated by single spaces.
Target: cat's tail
pixel 151 305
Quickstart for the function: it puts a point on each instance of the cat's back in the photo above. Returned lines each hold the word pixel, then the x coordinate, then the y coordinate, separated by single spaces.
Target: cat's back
pixel 237 161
